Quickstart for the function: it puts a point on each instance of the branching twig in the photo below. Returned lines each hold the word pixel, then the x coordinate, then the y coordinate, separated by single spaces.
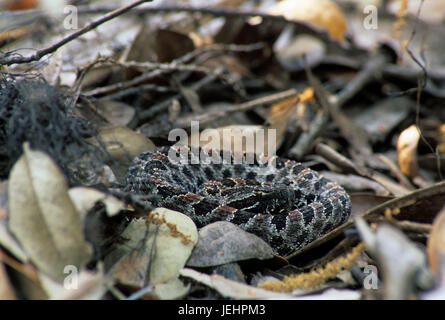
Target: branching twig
pixel 5 60
pixel 168 67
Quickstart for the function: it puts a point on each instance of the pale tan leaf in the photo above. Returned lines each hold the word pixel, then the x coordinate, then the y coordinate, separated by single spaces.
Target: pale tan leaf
pixel 407 151
pixel 84 200
pixel 436 244
pixel 115 112
pixel 42 216
pixel 171 290
pixel 8 242
pixel 123 145
pixel 157 248
pixel 51 72
pixel 86 285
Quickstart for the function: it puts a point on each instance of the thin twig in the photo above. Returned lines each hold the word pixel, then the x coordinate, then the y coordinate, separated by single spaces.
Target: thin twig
pixel 136 90
pixel 185 122
pixel 147 114
pixel 172 66
pixel 5 60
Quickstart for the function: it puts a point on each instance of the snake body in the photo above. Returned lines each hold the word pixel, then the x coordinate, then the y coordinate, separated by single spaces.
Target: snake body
pixel 287 204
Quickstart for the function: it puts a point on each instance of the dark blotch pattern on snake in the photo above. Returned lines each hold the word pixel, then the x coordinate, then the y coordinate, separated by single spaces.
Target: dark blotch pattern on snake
pixel 287 205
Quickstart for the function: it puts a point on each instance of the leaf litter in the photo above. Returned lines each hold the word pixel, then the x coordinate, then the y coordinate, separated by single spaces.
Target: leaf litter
pixel 70 123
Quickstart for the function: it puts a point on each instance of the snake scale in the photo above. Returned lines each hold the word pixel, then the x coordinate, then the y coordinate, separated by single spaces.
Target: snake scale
pixel 287 204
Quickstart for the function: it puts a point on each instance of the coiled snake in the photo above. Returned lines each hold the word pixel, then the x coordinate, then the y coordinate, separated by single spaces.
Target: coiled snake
pixel 286 204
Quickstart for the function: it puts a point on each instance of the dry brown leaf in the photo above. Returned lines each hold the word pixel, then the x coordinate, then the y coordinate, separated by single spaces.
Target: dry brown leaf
pixel 91 78
pixel 436 244
pixel 123 145
pixel 407 151
pixel 42 216
pixel 325 14
pixel 171 44
pixel 282 113
pixel 6 290
pixel 115 112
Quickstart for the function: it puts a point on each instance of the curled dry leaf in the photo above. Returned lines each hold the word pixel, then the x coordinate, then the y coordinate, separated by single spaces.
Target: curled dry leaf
pixel 157 248
pixel 436 244
pixel 43 218
pixel 407 151
pixel 230 288
pixel 84 200
pixel 223 242
pixel 326 14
